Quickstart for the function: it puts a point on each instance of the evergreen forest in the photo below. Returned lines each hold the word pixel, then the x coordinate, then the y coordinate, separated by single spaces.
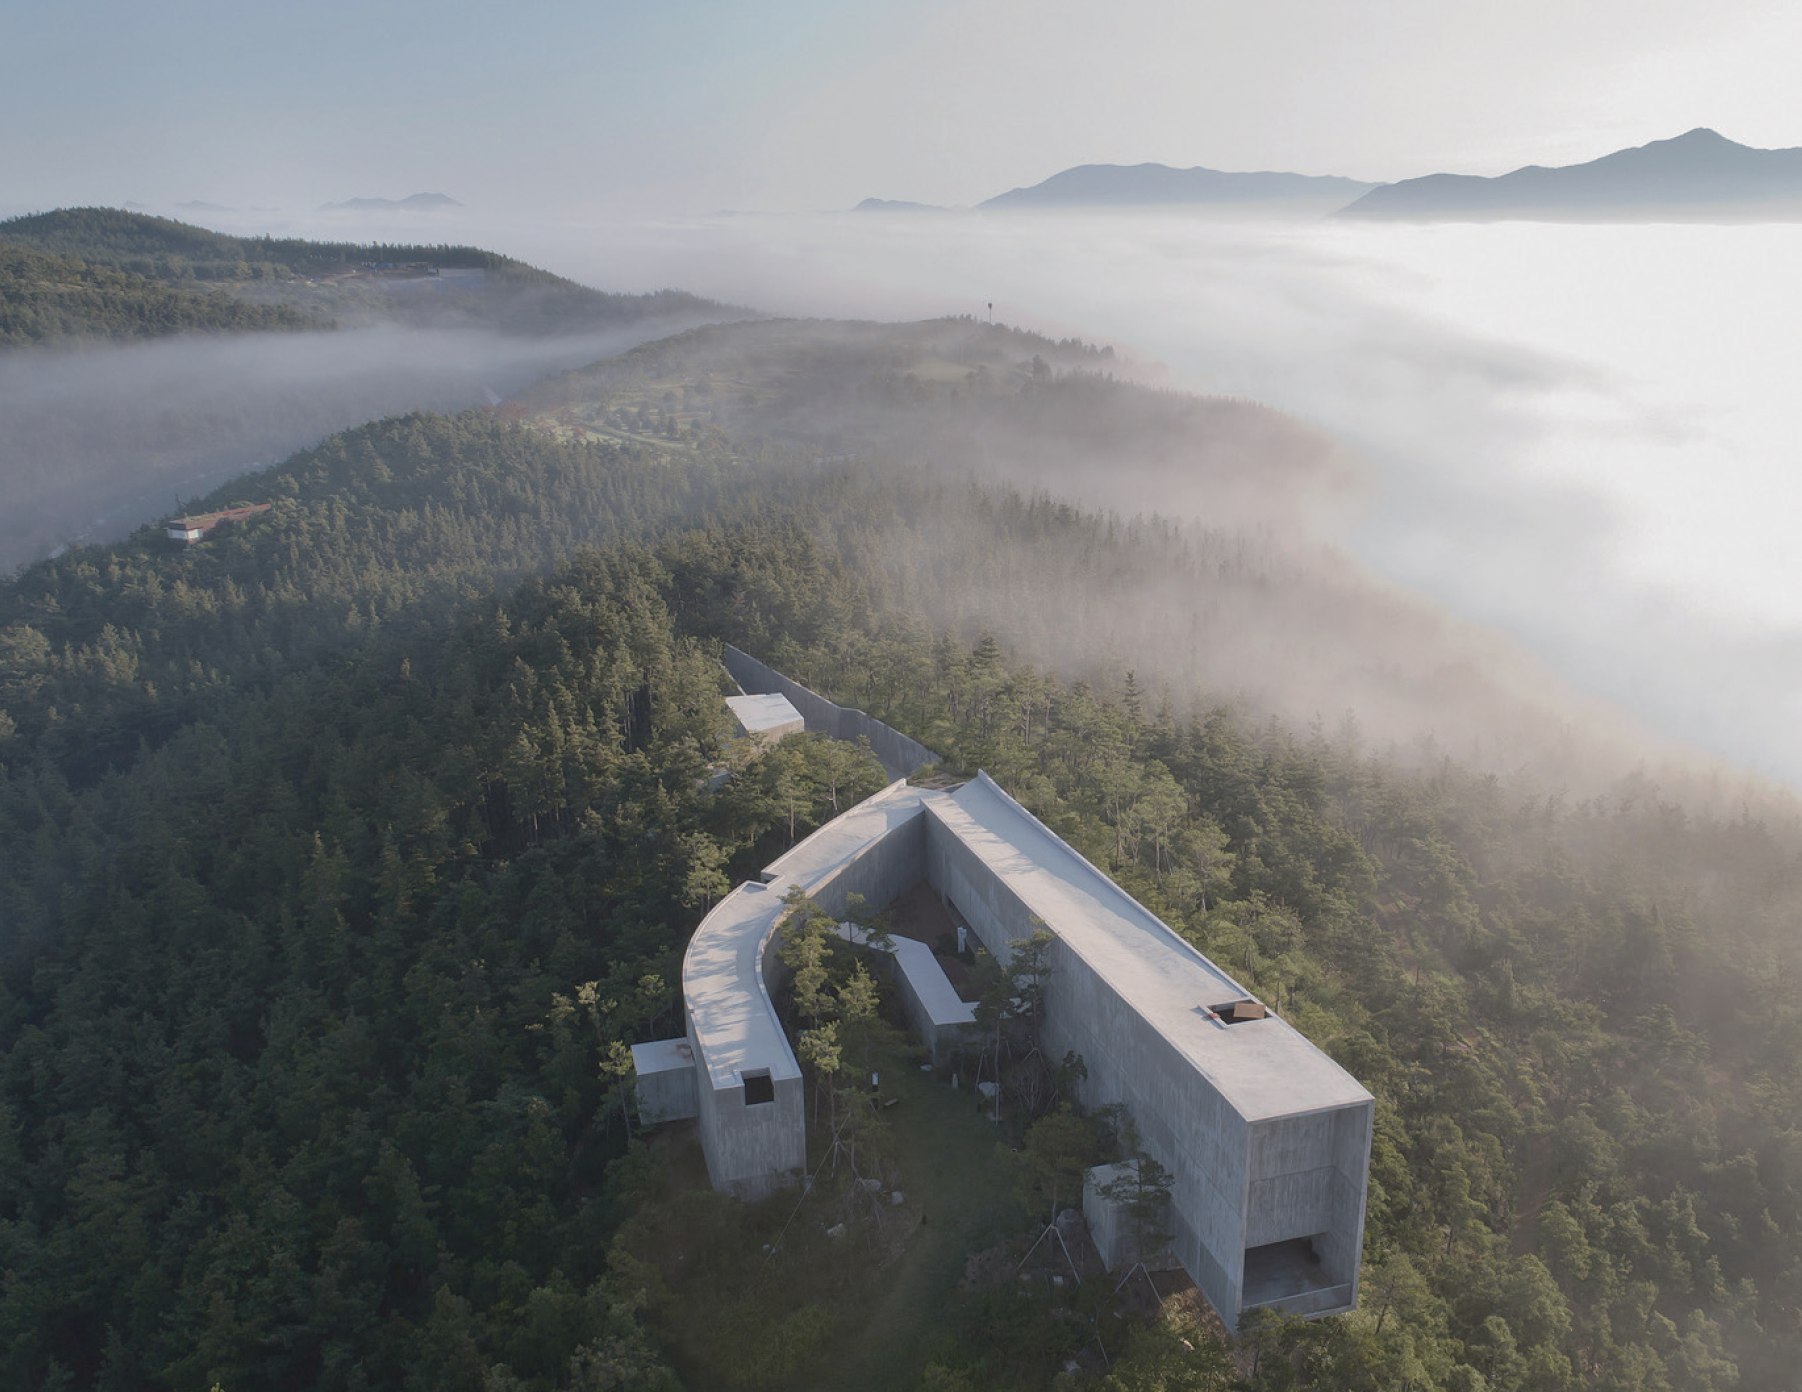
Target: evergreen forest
pixel 107 273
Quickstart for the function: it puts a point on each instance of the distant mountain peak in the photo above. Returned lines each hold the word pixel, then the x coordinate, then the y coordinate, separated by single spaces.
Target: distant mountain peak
pixel 1161 185
pixel 413 202
pixel 1700 174
pixel 896 205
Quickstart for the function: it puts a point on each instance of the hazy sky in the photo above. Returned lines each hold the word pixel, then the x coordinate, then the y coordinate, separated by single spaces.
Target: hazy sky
pixel 683 106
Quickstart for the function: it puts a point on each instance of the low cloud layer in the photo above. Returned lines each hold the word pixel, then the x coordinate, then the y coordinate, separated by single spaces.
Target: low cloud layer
pixel 98 441
pixel 1576 436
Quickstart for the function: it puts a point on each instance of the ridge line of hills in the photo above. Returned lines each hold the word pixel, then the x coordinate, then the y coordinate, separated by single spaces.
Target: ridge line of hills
pixel 223 352
pixel 114 274
pixel 1699 175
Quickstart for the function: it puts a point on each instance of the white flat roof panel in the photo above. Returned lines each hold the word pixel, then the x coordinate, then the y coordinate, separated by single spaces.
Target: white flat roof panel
pixel 661 1056
pixel 760 714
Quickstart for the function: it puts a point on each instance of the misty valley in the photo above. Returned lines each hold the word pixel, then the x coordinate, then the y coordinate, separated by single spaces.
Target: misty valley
pixel 357 847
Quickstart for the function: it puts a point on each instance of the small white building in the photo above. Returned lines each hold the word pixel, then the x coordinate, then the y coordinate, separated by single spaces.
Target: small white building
pixel 765 719
pixel 201 525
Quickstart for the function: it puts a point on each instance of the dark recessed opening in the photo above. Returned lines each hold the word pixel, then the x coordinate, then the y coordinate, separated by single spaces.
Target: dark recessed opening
pixel 759 1087
pixel 1239 1011
pixel 1283 1270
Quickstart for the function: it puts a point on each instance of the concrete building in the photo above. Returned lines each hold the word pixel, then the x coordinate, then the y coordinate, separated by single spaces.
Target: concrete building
pixel 943 1020
pixel 1116 1235
pixel 765 719
pixel 665 1071
pixel 199 526
pixel 1267 1140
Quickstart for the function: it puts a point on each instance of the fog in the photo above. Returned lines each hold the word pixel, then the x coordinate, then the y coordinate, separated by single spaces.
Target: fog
pixel 1577 436
pixel 100 440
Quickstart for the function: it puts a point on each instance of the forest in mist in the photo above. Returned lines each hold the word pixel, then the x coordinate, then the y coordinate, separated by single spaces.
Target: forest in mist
pixel 145 361
pixel 99 438
pixel 361 839
pixel 1546 430
pixel 1230 591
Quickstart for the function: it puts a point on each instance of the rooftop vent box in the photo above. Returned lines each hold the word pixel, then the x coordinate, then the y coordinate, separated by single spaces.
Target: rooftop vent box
pixel 1239 1011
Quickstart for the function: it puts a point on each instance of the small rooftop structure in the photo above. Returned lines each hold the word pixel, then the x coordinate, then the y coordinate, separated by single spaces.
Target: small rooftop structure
pixel 765 719
pixel 199 525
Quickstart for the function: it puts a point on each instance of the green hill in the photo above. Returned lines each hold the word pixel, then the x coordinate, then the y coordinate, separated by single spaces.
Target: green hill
pixel 299 281
pixel 45 296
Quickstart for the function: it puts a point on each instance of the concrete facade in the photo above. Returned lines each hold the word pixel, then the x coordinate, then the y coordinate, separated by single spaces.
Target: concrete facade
pixel 1111 1226
pixel 943 1020
pixel 750 1103
pixel 665 1073
pixel 1267 1139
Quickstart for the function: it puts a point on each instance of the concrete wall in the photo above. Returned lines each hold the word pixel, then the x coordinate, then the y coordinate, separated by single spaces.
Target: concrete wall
pixel 1306 1173
pixel 880 873
pixel 1343 1250
pixel 900 754
pixel 995 913
pixel 666 1094
pixel 918 980
pixel 1183 1123
pixel 1111 1225
pixel 752 1151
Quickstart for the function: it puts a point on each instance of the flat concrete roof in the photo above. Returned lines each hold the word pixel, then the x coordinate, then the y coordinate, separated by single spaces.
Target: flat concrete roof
pixel 1263 1068
pixel 937 996
pixel 662 1056
pixel 758 714
pixel 729 1007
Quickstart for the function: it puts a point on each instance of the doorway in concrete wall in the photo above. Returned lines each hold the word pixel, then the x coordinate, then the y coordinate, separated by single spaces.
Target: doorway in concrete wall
pixel 1281 1271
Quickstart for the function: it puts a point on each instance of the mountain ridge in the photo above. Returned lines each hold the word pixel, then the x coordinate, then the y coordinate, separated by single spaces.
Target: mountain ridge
pixel 1151 184
pixel 412 203
pixel 1698 174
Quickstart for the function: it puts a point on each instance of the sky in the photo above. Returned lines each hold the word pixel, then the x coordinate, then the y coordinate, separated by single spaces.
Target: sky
pixel 577 107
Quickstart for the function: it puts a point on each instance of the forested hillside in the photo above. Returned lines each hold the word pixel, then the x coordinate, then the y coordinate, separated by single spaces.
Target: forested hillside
pixel 46 296
pixel 135 370
pixel 109 273
pixel 351 847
